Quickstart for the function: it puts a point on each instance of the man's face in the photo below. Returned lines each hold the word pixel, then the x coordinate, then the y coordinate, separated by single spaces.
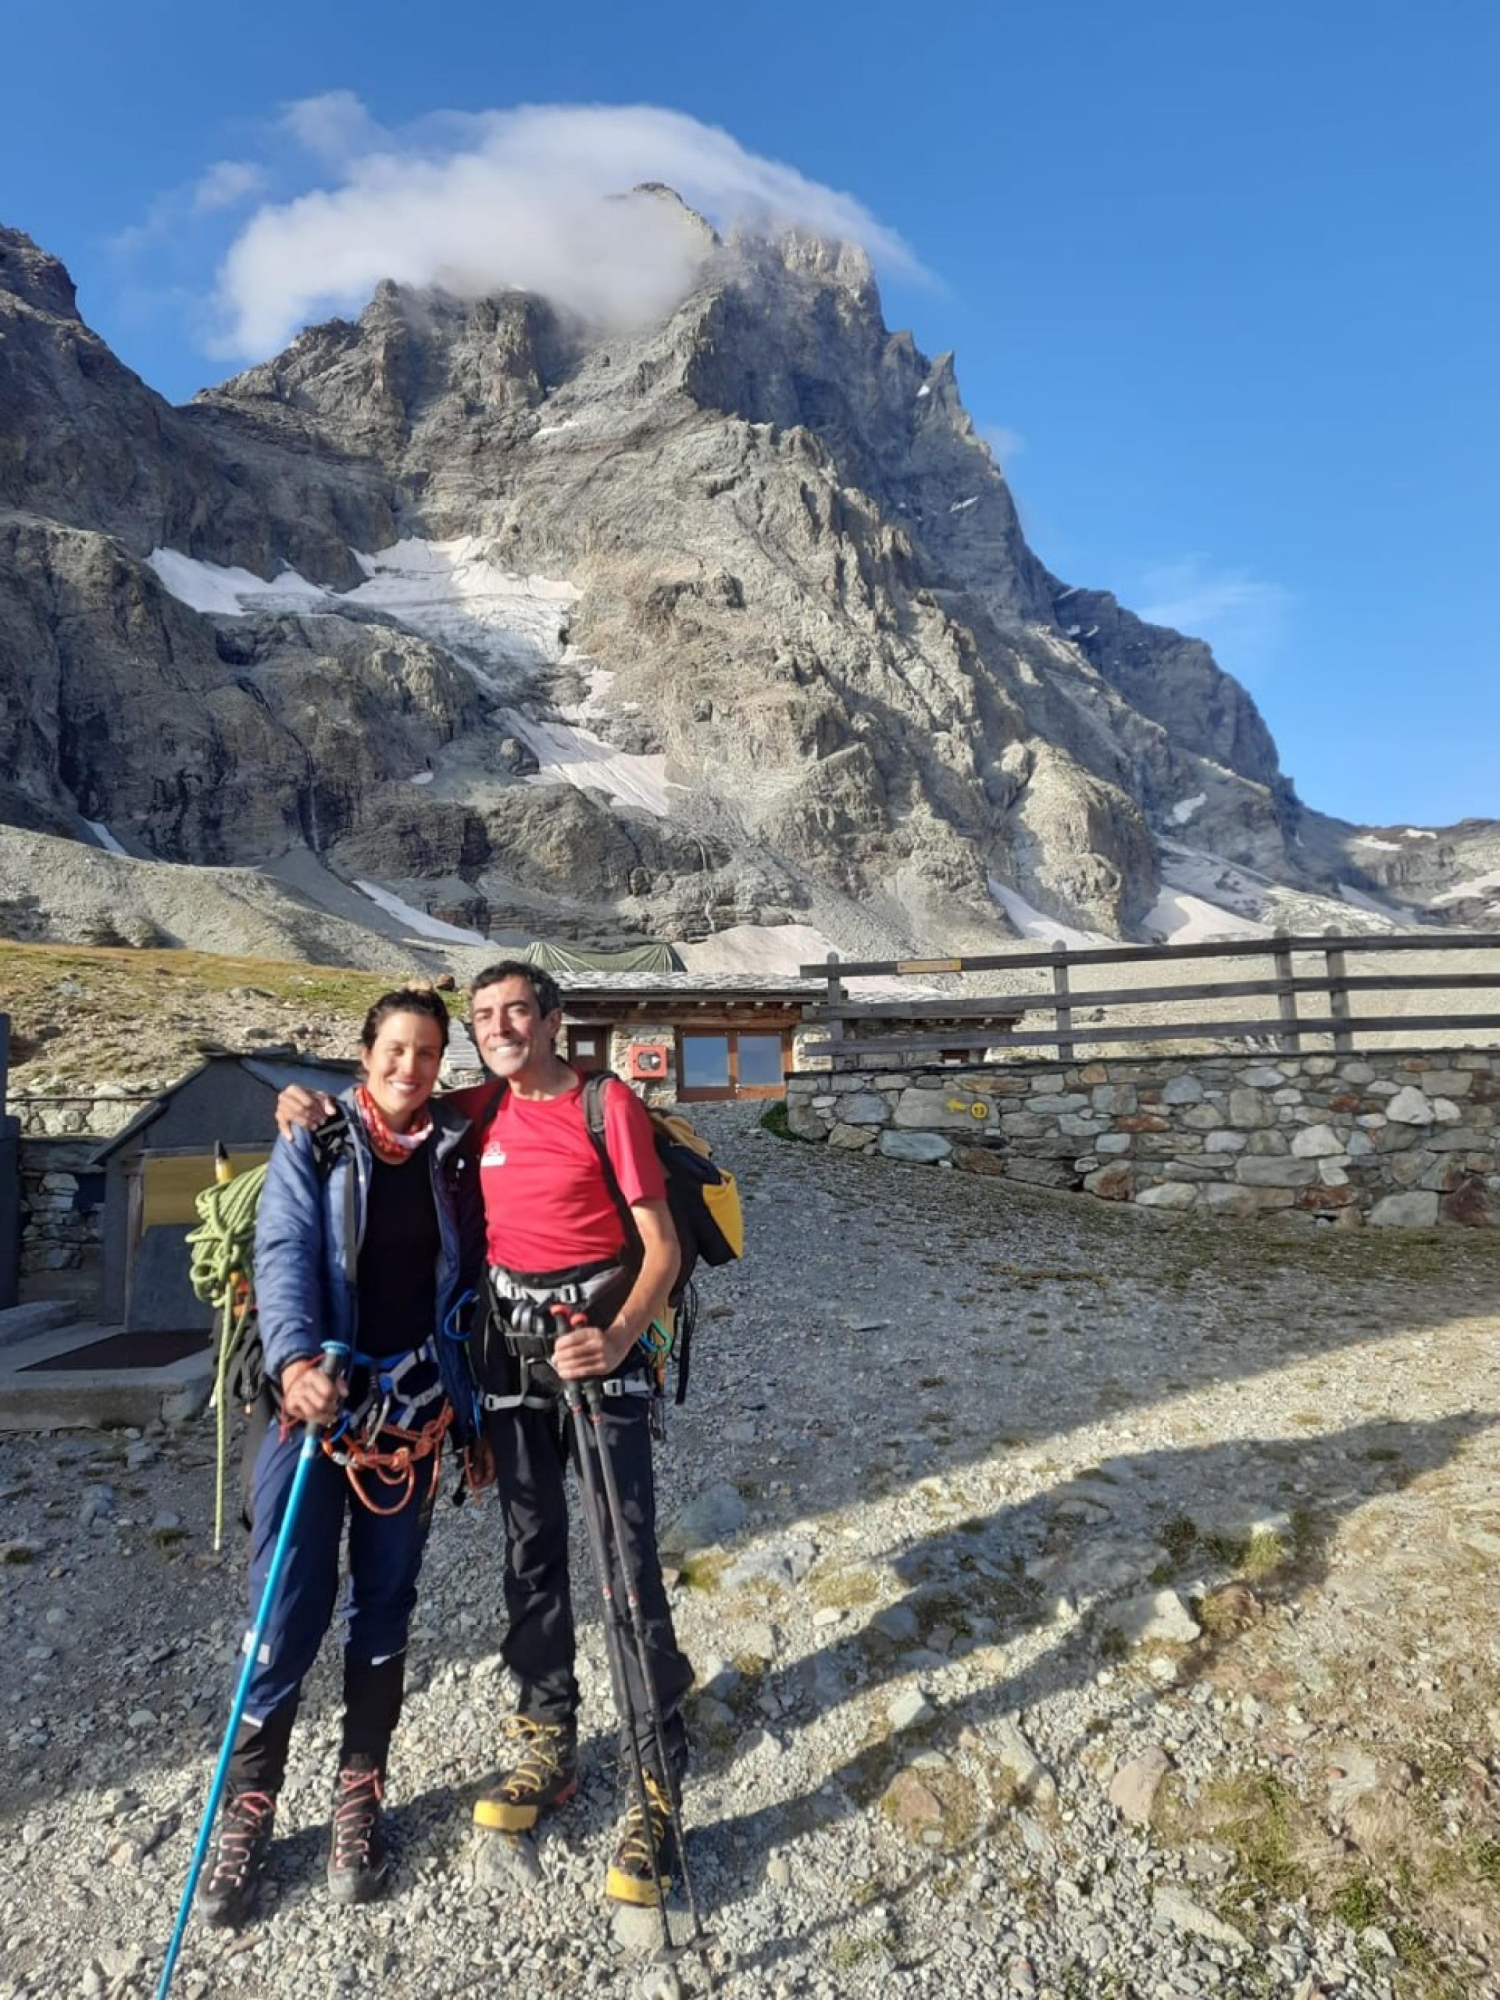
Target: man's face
pixel 512 1034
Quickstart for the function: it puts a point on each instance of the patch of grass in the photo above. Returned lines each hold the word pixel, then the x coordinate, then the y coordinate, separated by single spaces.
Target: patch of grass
pixel 704 1571
pixel 843 1589
pixel 774 1120
pixel 1360 1903
pixel 18 1553
pixel 1255 1814
pixel 1264 1555
pixel 168 1538
pixel 847 1951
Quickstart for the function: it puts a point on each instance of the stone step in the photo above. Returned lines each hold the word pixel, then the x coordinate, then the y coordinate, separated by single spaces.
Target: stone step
pixel 18 1323
pixel 51 1399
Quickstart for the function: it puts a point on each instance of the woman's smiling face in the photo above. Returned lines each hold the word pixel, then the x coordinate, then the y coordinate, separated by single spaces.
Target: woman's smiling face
pixel 401 1066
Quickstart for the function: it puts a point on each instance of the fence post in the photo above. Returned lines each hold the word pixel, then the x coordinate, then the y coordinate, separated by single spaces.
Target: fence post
pixel 1289 1038
pixel 834 1002
pixel 1060 1006
pixel 1338 997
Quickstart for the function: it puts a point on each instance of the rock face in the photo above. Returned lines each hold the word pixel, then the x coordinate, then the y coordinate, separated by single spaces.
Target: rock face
pixel 658 632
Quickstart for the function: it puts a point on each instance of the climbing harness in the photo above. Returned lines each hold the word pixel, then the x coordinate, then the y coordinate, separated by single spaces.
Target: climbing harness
pixel 382 1441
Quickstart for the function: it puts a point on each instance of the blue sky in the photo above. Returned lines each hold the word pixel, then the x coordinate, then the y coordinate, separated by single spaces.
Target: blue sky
pixel 1221 277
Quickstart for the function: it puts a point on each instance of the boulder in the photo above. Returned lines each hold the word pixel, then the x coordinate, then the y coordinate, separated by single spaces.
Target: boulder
pixel 917 1148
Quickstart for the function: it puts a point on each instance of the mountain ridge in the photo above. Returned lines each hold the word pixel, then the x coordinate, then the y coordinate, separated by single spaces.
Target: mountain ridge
pixel 720 621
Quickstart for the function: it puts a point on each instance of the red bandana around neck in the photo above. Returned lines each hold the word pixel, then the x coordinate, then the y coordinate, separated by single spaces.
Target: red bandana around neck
pixel 395 1148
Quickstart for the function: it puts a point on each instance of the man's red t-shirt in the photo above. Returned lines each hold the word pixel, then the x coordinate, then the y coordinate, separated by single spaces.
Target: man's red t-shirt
pixel 546 1203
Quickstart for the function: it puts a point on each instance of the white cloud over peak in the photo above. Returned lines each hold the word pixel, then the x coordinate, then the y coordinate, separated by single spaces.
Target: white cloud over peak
pixel 479 202
pixel 225 183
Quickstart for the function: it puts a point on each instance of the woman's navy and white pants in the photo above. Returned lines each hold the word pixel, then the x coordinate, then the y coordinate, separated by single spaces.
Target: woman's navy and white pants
pixel 385 1560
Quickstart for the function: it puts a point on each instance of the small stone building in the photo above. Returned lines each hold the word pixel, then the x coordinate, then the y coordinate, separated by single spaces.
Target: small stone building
pixel 157 1164
pixel 684 1037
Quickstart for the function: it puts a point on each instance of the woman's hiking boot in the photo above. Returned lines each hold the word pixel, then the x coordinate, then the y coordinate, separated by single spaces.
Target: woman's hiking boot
pixel 231 1882
pixel 543 1774
pixel 630 1878
pixel 357 1860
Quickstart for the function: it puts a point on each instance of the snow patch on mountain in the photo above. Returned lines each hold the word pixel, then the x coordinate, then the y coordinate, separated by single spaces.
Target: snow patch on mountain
pixel 1030 922
pixel 578 757
pixel 1179 918
pixel 229 592
pixel 1477 885
pixel 105 838
pixel 417 920
pixel 494 622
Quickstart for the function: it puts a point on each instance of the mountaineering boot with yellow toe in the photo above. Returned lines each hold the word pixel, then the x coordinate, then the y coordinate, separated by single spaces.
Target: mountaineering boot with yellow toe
pixel 644 1834
pixel 543 1773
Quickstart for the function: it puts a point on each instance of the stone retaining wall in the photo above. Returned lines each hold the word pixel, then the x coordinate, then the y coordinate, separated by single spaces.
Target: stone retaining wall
pixel 1381 1138
pixel 98 1115
pixel 62 1207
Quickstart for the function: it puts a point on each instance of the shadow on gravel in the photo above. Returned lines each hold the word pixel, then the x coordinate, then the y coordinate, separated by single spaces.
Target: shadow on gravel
pixel 995 1581
pixel 888 1323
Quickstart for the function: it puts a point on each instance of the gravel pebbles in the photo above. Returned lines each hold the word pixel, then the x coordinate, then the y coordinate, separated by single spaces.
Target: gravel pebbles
pixel 1083 1603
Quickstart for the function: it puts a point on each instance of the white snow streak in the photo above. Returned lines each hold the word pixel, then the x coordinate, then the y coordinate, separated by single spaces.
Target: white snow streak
pixel 578 757
pixel 1476 885
pixel 1180 918
pixel 232 592
pixel 105 838
pixel 418 920
pixel 1184 809
pixel 1029 922
pixel 495 622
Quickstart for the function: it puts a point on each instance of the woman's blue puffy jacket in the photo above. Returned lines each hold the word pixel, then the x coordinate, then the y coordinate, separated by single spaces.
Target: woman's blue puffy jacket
pixel 310 1225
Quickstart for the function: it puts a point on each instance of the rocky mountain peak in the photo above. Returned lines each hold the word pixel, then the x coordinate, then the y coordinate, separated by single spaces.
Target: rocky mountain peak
pixel 723 619
pixel 37 280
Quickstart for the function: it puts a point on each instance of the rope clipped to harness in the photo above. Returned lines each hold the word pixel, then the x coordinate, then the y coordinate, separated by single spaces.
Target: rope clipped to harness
pixel 392 1468
pixel 383 1441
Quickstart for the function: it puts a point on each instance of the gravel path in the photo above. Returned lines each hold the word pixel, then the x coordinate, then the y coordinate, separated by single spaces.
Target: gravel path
pixel 1082 1602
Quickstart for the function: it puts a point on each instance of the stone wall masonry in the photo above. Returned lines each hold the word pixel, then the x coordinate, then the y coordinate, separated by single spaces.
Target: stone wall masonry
pixel 98 1115
pixel 62 1207
pixel 1384 1138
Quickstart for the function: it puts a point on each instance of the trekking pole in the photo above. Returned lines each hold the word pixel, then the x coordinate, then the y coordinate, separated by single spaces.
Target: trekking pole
pixel 593 1396
pixel 334 1357
pixel 593 1514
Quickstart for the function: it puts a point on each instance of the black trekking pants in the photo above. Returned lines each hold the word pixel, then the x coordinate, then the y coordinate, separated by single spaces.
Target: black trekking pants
pixel 532 1448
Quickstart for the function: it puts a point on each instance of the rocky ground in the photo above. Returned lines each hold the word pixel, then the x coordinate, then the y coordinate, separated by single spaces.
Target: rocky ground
pixel 1083 1604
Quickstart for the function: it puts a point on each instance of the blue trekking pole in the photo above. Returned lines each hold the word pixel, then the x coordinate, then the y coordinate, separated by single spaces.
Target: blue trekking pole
pixel 334 1357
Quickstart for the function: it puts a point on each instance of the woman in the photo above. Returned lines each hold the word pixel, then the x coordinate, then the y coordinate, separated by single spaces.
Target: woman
pixel 368 1241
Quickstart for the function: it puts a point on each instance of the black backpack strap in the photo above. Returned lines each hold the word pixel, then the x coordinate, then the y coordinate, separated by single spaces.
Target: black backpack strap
pixel 593 1118
pixel 330 1142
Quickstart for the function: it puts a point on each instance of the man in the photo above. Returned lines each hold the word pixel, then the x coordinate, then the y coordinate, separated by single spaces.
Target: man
pixel 554 1231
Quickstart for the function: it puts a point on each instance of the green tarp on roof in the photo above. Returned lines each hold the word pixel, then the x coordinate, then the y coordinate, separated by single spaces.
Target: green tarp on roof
pixel 571 958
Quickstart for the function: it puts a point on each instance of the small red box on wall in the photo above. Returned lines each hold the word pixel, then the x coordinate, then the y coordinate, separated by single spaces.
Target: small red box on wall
pixel 652 1060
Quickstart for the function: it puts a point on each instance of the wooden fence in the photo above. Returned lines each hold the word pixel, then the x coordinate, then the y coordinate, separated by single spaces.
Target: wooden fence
pixel 858 1036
